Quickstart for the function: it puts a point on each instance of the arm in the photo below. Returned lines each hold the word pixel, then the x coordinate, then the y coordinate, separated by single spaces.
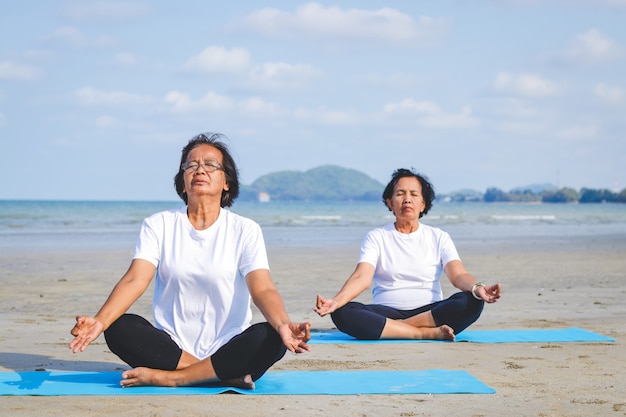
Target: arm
pixel 463 280
pixel 269 302
pixel 358 282
pixel 130 287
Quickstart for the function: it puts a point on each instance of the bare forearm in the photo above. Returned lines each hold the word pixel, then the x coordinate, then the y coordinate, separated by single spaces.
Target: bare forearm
pixel 464 282
pixel 358 282
pixel 270 304
pixel 349 292
pixel 127 291
pixel 119 301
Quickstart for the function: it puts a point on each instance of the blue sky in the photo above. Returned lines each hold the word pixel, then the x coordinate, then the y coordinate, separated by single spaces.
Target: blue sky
pixel 97 98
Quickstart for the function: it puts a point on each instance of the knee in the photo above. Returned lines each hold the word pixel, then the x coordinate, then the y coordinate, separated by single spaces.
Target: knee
pixel 474 304
pixel 341 317
pixel 350 320
pixel 473 307
pixel 272 338
pixel 120 324
pixel 120 330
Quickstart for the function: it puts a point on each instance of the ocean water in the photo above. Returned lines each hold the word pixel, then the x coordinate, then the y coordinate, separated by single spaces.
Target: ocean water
pixel 93 225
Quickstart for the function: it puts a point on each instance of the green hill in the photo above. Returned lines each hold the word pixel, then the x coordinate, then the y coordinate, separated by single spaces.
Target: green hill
pixel 326 183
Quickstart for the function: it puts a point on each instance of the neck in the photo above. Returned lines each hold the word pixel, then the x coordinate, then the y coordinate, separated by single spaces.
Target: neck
pixel 202 216
pixel 406 227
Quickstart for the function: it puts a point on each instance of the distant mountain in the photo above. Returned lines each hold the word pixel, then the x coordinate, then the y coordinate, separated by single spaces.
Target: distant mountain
pixel 328 182
pixel 535 188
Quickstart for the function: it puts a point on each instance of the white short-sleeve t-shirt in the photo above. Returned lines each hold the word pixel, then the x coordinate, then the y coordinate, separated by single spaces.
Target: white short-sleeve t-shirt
pixel 408 266
pixel 200 296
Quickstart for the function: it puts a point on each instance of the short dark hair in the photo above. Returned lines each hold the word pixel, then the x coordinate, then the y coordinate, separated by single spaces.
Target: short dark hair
pixel 428 191
pixel 230 168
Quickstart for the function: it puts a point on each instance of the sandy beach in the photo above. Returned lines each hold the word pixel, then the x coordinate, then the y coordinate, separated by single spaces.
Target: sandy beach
pixel 549 283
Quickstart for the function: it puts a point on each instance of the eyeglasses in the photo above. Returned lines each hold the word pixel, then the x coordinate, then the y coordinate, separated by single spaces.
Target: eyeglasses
pixel 208 166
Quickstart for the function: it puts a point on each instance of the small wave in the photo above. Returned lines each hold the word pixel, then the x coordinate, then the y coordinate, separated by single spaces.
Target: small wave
pixel 443 217
pixel 523 217
pixel 321 217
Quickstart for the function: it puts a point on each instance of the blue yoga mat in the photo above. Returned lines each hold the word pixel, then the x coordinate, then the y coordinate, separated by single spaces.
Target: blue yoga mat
pixel 433 381
pixel 482 336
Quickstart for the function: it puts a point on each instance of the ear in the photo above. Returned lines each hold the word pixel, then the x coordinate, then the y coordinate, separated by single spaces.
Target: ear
pixel 388 202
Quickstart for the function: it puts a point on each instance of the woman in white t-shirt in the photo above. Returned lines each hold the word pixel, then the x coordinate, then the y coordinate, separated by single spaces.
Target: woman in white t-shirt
pixel 208 264
pixel 405 261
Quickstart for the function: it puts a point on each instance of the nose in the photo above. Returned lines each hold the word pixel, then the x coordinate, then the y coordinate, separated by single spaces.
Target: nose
pixel 200 167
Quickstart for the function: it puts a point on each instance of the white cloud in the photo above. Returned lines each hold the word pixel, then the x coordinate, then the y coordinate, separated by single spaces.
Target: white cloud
pixel 609 94
pixel 272 75
pixel 528 85
pixel 184 103
pixel 521 127
pixel 577 132
pixel 396 80
pixel 18 72
pixel 37 55
pixel 218 59
pixel 104 41
pixel 91 97
pixel 512 107
pixel 592 3
pixel 126 59
pixel 105 121
pixel 116 10
pixel 592 47
pixel 74 37
pixel 68 35
pixel 316 19
pixel 325 116
pixel 256 107
pixel 430 115
pixel 463 119
pixel 410 106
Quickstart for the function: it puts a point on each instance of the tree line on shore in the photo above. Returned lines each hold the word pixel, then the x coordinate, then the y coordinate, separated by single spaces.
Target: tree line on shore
pixel 562 195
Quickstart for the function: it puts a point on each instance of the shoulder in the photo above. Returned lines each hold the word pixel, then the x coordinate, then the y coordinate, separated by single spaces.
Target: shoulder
pixel 166 215
pixel 380 233
pixel 238 221
pixel 435 233
pixel 382 230
pixel 375 233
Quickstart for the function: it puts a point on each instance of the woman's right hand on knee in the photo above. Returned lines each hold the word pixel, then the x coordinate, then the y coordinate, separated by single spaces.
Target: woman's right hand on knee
pixel 324 307
pixel 86 330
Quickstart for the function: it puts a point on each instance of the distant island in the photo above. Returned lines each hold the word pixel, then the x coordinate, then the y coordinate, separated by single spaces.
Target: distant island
pixel 324 183
pixel 334 183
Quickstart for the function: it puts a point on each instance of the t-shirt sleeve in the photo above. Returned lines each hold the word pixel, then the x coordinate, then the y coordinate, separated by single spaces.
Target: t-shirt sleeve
pixel 370 249
pixel 448 249
pixel 148 247
pixel 254 254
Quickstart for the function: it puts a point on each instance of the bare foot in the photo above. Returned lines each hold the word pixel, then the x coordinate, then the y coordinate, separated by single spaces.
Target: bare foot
pixel 145 376
pixel 443 332
pixel 244 382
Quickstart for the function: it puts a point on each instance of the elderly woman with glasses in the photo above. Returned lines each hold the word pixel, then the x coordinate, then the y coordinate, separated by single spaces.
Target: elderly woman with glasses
pixel 208 264
pixel 405 260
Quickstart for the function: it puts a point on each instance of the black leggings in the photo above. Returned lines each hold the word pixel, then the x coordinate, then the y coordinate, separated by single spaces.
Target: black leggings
pixel 367 321
pixel 138 343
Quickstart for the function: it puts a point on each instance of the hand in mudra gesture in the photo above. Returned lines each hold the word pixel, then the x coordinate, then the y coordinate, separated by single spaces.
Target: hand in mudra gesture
pixel 86 330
